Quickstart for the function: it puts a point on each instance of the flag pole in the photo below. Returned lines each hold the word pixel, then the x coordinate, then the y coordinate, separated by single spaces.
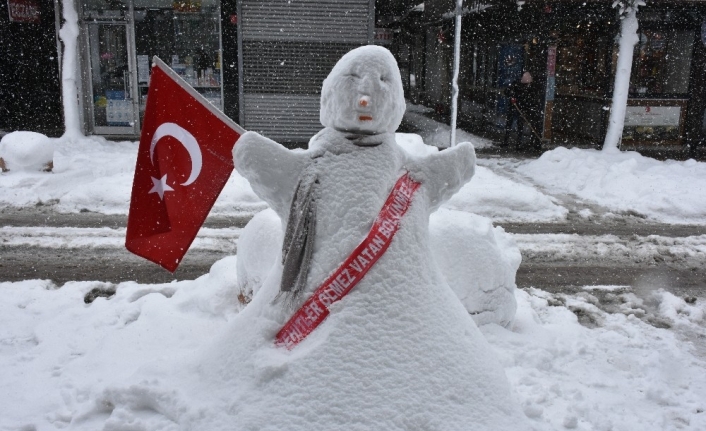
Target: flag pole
pixel 454 81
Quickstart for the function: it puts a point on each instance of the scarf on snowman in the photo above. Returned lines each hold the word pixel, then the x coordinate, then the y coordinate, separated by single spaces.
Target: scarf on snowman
pixel 298 241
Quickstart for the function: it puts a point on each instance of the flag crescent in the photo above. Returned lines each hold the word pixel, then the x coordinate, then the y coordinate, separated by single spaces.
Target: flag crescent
pixel 187 140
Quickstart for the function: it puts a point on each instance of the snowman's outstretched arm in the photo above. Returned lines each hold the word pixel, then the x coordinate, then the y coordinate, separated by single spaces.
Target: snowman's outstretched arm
pixel 444 173
pixel 273 171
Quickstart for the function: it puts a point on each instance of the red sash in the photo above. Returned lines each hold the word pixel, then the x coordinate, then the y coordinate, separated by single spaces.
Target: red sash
pixel 316 308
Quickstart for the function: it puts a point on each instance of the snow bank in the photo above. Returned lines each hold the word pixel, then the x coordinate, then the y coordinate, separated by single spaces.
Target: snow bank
pixel 66 364
pixel 613 372
pixel 60 356
pixel 615 250
pixel 221 240
pixel 27 151
pixel 490 195
pixel 502 199
pixel 96 175
pixel 669 191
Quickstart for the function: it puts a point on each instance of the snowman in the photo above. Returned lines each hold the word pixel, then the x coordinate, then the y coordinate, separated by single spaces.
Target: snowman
pixel 399 350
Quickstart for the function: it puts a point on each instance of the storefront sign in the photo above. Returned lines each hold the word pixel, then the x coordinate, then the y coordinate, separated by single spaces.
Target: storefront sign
pixel 652 116
pixel 187 6
pixel 23 10
pixel 383 36
pixel 143 68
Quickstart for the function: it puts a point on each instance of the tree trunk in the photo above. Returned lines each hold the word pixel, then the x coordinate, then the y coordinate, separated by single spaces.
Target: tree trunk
pixel 628 39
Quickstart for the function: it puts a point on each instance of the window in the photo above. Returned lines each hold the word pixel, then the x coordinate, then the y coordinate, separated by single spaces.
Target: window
pixel 581 66
pixel 662 62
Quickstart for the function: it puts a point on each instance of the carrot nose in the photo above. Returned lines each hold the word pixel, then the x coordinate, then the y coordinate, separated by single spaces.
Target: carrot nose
pixel 364 101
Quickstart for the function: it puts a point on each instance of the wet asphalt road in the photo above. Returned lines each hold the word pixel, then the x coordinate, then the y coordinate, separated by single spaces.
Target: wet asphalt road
pixel 115 264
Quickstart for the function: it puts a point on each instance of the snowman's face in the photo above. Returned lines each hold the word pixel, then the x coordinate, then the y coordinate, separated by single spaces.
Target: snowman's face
pixel 363 93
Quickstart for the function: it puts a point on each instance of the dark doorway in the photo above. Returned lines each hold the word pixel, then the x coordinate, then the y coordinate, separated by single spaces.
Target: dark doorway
pixel 30 93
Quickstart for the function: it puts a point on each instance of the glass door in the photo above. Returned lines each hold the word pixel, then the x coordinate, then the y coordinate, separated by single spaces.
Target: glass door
pixel 185 35
pixel 112 107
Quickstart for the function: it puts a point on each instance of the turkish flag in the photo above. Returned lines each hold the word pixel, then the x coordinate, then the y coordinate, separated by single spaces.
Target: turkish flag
pixel 183 163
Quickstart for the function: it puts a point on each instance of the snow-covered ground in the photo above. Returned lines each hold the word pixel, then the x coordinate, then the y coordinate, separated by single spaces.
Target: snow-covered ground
pixel 63 360
pixel 602 359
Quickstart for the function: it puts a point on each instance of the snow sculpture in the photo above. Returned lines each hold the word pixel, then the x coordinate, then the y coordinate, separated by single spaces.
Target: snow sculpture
pixel 400 351
pixel 26 151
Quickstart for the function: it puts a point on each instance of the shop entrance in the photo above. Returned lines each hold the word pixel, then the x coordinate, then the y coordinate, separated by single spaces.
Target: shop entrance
pixel 119 39
pixel 112 90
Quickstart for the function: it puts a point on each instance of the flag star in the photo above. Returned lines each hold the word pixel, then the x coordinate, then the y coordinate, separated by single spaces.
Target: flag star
pixel 160 186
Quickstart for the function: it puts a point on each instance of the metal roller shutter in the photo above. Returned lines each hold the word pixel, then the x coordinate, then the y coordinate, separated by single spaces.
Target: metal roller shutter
pixel 288 47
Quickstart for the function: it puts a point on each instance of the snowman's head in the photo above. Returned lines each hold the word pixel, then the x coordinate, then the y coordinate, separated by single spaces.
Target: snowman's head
pixel 363 93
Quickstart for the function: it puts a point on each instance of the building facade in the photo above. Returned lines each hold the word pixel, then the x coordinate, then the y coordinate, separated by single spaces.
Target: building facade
pixel 570 47
pixel 261 62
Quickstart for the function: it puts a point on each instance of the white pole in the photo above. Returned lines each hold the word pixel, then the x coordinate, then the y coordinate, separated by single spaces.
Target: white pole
pixel 69 71
pixel 628 40
pixel 454 81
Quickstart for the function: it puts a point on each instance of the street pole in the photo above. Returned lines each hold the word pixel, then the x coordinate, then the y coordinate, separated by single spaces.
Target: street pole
pixel 454 81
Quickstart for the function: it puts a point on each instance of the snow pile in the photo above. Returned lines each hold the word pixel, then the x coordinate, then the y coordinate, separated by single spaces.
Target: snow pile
pixel 414 145
pixel 626 182
pixel 67 362
pixel 27 151
pixel 603 371
pixel 60 357
pixel 479 262
pixel 677 310
pixel 96 175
